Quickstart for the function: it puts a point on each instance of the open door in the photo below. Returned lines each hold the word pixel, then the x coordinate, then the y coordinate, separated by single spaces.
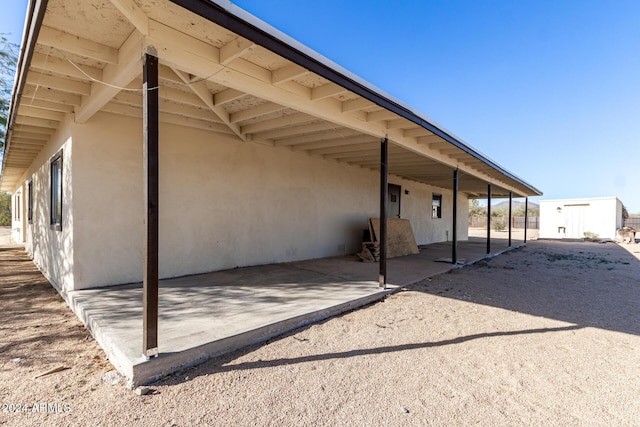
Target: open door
pixel 394 201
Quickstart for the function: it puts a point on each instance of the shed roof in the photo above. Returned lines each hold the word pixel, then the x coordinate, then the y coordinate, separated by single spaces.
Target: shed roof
pixel 223 70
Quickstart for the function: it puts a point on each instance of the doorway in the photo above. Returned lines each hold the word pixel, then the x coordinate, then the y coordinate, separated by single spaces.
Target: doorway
pixel 394 201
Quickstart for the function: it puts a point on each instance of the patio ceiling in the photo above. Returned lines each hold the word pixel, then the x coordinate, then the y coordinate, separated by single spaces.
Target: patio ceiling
pixel 80 54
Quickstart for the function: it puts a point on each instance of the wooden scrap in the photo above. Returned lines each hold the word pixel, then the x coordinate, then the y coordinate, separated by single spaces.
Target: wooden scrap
pixel 400 238
pixel 51 371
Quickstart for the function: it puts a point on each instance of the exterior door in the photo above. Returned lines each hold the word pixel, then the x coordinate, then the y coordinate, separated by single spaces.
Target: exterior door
pixel 575 220
pixel 394 201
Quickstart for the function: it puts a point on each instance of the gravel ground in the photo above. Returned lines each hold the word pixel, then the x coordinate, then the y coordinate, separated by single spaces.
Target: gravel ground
pixel 544 335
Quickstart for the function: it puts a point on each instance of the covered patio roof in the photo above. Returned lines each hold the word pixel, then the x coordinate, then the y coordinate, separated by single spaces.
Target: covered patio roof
pixel 225 71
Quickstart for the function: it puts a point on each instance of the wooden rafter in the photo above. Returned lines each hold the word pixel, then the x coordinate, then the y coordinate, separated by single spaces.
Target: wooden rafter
pixel 115 77
pixel 200 89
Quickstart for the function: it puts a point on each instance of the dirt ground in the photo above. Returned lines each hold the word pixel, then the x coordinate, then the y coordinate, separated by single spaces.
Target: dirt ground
pixel 545 335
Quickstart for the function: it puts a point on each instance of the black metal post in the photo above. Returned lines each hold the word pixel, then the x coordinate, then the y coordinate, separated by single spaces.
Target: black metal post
pixel 526 217
pixel 150 153
pixel 384 154
pixel 488 219
pixel 454 242
pixel 510 217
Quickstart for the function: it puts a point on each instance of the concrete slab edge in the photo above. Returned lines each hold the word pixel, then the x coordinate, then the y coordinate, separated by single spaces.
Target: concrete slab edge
pixel 155 369
pixel 117 358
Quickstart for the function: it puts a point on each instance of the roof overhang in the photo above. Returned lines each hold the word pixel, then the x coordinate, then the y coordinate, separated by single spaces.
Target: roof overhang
pixel 225 71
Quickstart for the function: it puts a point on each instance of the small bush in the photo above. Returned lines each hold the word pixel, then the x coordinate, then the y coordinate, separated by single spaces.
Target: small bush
pixel 498 224
pixel 5 209
pixel 591 236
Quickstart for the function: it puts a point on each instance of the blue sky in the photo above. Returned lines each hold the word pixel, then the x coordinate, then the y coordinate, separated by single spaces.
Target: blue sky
pixel 548 89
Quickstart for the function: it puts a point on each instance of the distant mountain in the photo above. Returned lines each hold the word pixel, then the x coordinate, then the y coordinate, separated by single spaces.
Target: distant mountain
pixel 515 205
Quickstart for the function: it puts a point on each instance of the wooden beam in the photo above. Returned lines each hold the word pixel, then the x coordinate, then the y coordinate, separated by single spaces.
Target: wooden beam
pixel 40 113
pixel 376 116
pixel 134 14
pixel 63 67
pixel 41 123
pixel 36 78
pixel 116 77
pixel 33 130
pixel 82 47
pixel 356 104
pixel 257 111
pixel 227 95
pixel 166 117
pixel 37 140
pixel 187 53
pixel 332 141
pixel 349 148
pixel 179 96
pixel 294 130
pixel 287 73
pixel 47 105
pixel 279 122
pixel 430 139
pixel 417 132
pixel 235 49
pixel 48 94
pixel 200 89
pixel 399 123
pixel 326 91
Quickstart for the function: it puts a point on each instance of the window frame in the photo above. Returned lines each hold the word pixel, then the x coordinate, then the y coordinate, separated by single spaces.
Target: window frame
pixel 16 206
pixel 30 201
pixel 55 206
pixel 436 209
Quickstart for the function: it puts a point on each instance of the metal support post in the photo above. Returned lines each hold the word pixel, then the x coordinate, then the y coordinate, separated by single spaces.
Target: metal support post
pixel 510 217
pixel 488 219
pixel 150 158
pixel 454 242
pixel 384 154
pixel 526 217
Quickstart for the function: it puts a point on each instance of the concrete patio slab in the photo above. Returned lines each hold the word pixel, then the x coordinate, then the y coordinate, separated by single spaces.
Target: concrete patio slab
pixel 206 315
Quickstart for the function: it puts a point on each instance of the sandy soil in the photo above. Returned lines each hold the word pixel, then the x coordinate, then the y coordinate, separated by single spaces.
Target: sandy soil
pixel 545 335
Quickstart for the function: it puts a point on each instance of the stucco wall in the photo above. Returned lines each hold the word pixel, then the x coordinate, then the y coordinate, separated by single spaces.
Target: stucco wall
pixel 18 222
pixel 571 218
pixel 51 250
pixel 224 203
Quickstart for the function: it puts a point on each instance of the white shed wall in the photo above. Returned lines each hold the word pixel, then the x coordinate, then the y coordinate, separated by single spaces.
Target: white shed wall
pixel 602 216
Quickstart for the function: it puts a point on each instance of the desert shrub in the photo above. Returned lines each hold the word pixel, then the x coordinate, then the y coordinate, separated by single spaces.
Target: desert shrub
pixel 591 235
pixel 5 209
pixel 498 224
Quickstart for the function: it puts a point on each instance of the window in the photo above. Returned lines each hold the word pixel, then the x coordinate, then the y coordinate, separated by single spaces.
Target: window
pixel 56 191
pixel 436 206
pixel 16 207
pixel 30 201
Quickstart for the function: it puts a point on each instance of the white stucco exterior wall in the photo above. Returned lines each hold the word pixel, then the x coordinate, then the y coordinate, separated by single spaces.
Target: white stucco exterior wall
pixel 571 218
pixel 224 204
pixel 51 250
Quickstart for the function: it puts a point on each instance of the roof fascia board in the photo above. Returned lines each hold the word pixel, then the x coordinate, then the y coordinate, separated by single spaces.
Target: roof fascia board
pixel 231 17
pixel 33 23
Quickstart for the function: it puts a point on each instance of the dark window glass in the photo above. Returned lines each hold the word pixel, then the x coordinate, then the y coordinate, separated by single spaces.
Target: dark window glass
pixel 16 210
pixel 436 206
pixel 30 201
pixel 56 191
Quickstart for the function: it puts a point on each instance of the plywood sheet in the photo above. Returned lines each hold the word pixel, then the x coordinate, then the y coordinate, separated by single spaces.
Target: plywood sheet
pixel 400 238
